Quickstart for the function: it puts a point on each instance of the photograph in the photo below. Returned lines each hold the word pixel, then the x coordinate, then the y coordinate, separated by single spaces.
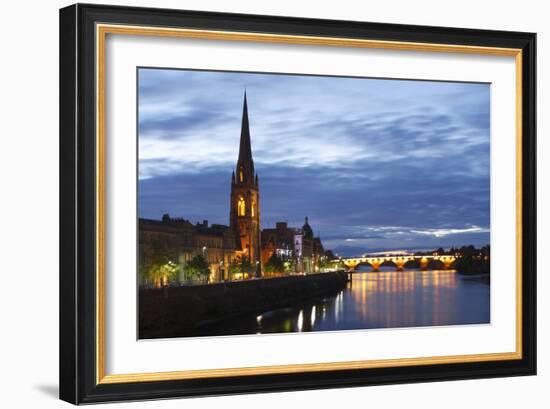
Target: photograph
pixel 259 203
pixel 292 203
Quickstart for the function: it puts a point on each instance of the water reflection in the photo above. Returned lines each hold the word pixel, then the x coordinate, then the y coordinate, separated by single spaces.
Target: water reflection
pixel 385 299
pixel 401 299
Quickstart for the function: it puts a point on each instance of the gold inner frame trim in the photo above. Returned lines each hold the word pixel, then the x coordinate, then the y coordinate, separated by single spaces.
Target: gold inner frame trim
pixel 101 33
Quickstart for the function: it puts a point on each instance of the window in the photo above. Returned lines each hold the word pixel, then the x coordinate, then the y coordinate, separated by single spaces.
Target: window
pixel 241 176
pixel 241 205
pixel 252 211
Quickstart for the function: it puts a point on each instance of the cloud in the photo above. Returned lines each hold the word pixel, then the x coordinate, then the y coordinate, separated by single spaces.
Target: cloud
pixel 363 158
pixel 446 232
pixel 194 112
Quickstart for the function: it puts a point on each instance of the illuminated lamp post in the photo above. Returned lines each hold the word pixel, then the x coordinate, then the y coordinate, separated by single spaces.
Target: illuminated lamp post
pixel 164 280
pixel 205 256
pixel 249 261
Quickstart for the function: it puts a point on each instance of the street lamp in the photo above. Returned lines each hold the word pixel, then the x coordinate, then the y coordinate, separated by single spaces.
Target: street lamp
pixel 206 259
pixel 249 261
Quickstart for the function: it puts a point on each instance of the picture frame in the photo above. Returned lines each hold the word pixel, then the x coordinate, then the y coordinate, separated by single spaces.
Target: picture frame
pixel 83 181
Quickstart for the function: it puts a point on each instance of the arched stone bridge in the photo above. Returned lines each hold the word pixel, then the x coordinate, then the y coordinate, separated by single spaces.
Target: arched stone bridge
pixel 399 261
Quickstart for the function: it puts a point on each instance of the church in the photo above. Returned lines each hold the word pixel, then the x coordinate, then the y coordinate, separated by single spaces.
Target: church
pixel 244 214
pixel 180 241
pixel 253 243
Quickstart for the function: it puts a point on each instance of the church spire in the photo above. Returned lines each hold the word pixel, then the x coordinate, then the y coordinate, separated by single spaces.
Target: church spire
pixel 244 216
pixel 245 164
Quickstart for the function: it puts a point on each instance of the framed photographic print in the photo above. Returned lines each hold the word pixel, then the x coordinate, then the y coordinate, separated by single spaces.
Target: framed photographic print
pixel 257 203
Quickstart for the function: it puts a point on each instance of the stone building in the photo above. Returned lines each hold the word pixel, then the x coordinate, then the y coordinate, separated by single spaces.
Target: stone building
pixel 295 244
pixel 279 241
pixel 178 241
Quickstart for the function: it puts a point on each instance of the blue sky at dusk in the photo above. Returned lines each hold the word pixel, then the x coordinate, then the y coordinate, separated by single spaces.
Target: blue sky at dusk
pixel 375 164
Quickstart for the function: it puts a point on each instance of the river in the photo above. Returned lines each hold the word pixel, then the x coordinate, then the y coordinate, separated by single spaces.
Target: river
pixel 385 299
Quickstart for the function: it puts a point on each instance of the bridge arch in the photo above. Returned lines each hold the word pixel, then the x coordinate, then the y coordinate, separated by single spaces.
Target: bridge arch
pixel 365 263
pixel 435 264
pixel 442 262
pixel 412 263
pixel 397 261
pixel 389 263
pixel 374 264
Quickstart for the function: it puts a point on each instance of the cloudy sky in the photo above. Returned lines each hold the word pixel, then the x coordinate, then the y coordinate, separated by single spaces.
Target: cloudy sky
pixel 375 164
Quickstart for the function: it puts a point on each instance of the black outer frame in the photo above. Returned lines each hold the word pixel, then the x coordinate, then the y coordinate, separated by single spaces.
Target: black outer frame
pixel 78 197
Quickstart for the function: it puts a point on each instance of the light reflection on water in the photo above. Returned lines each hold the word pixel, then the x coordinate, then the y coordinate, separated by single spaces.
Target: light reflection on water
pixel 404 299
pixel 386 299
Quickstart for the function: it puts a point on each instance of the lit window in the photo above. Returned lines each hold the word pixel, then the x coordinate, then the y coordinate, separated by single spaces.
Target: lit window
pixel 241 176
pixel 241 206
pixel 252 212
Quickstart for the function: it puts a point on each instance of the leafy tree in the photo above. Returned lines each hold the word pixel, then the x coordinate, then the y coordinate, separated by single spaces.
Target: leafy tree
pixel 241 266
pixel 235 267
pixel 275 264
pixel 337 264
pixel 289 265
pixel 323 263
pixel 327 264
pixel 156 267
pixel 197 267
pixel 474 261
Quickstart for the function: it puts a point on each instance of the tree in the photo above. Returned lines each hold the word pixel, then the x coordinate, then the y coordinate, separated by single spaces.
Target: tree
pixel 323 263
pixel 337 264
pixel 235 268
pixel 474 261
pixel 275 264
pixel 157 268
pixel 197 267
pixel 242 266
pixel 289 265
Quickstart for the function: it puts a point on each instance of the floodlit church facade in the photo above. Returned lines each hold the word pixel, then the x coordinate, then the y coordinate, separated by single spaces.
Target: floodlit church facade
pixel 244 214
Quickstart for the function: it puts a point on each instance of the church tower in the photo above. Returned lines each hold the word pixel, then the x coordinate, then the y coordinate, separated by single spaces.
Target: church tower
pixel 245 201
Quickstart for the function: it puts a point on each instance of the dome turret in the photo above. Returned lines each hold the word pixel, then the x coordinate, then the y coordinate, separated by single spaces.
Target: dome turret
pixel 306 228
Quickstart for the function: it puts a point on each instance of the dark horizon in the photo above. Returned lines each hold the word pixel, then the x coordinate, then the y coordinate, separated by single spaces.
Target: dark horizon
pixel 375 164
